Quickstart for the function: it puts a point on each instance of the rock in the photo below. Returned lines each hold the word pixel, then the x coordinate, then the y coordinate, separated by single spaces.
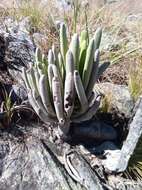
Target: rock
pixel 119 97
pixel 111 42
pixel 19 92
pixel 64 5
pixel 2 51
pixel 121 157
pixel 111 163
pixel 14 27
pixel 19 49
pixel 28 162
pixel 134 17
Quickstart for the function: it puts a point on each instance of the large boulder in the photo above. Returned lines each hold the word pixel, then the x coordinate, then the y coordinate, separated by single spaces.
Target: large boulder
pixel 29 161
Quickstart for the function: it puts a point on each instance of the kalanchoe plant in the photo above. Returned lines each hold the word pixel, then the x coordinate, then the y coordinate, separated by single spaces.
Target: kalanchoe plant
pixel 61 89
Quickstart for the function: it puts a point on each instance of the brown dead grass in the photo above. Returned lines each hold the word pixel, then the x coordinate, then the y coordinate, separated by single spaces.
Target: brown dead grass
pixel 111 17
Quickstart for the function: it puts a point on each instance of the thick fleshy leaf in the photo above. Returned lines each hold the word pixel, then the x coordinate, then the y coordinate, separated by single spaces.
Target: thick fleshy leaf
pixel 88 64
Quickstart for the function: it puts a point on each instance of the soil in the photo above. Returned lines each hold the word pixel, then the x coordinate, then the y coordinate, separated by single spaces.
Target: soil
pixel 117 73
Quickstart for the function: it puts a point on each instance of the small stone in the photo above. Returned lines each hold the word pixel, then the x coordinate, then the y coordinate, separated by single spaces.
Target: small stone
pixel 20 92
pixel 111 163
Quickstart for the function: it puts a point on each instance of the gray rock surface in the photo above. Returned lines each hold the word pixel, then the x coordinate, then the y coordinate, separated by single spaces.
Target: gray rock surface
pixel 19 48
pixel 20 92
pixel 2 51
pixel 111 41
pixel 17 51
pixel 28 162
pixel 17 92
pixel 121 157
pixel 134 17
pixel 119 97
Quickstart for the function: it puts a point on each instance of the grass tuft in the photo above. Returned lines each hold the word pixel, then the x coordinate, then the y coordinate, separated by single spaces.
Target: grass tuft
pixel 135 77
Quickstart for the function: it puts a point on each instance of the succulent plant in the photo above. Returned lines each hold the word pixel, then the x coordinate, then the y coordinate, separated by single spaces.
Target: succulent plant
pixel 61 89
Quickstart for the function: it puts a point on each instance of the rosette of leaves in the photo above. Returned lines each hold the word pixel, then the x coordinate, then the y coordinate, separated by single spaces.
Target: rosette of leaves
pixel 61 88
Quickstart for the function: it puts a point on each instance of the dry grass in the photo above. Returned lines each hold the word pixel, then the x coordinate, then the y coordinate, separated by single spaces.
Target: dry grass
pixel 106 103
pixel 40 17
pixel 113 19
pixel 38 14
pixel 135 77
